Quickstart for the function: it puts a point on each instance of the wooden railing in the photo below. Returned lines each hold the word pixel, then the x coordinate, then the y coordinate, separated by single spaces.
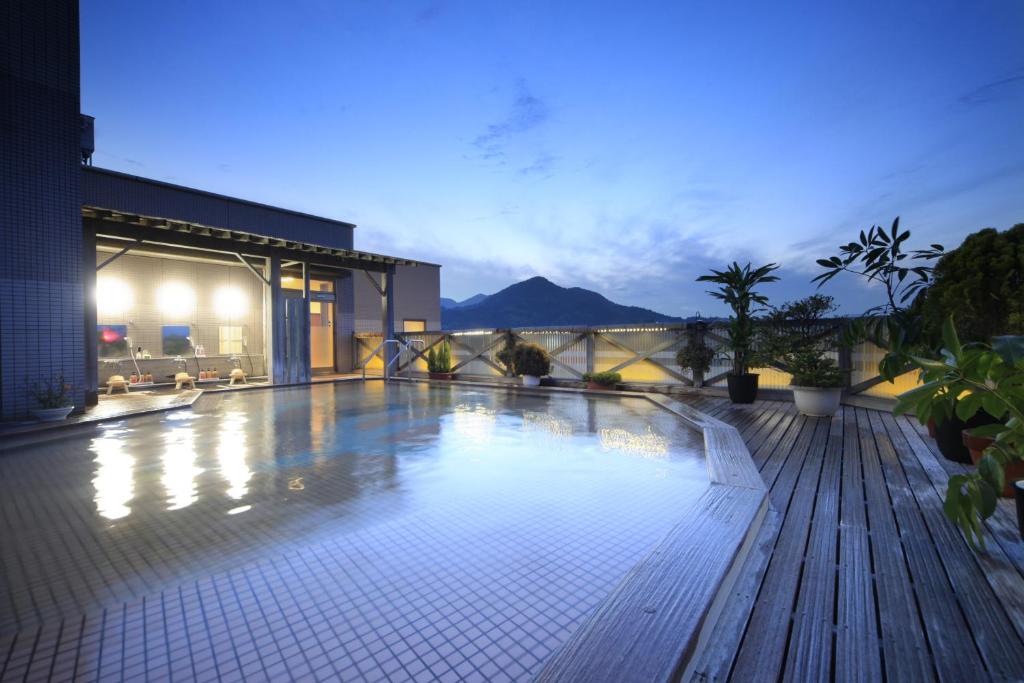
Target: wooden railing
pixel 642 354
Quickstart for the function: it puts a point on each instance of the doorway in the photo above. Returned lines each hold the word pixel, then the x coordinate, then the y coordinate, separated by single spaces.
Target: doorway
pixel 321 326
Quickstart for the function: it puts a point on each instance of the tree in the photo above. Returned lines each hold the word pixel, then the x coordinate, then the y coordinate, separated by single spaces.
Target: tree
pixel 983 282
pixel 879 257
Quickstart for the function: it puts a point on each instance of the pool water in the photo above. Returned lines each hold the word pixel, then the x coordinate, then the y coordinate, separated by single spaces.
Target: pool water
pixel 399 530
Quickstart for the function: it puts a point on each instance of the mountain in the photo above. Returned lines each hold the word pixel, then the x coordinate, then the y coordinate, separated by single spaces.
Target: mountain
pixel 452 303
pixel 539 302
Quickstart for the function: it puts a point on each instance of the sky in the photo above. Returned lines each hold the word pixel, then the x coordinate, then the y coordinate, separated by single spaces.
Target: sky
pixel 624 147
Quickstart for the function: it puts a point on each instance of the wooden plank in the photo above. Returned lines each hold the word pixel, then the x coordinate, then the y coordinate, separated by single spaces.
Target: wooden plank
pixel 649 626
pixel 716 660
pixel 810 644
pixel 953 652
pixel 857 653
pixel 996 639
pixel 904 648
pixel 761 657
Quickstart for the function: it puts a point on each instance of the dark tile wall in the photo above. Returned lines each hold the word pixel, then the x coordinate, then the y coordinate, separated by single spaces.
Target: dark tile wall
pixel 41 316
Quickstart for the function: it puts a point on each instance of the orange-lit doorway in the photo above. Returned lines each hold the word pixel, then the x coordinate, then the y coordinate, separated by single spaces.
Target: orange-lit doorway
pixel 321 325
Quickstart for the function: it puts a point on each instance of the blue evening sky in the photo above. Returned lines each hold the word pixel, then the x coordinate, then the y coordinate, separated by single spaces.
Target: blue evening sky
pixel 621 146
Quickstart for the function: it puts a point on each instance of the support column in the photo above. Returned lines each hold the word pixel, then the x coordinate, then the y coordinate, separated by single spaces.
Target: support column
pixel 387 310
pixel 278 364
pixel 306 371
pixel 344 323
pixel 92 373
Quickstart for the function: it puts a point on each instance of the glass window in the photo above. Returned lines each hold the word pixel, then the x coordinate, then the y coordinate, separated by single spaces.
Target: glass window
pixel 415 325
pixel 230 339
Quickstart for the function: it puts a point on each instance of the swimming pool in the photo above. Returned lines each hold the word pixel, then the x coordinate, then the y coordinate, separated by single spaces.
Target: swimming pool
pixel 355 529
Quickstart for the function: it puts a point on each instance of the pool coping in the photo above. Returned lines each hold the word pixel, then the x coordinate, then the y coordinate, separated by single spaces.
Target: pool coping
pixel 658 619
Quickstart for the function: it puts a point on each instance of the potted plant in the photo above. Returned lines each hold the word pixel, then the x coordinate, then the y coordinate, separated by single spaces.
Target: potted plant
pixel 982 376
pixel 696 356
pixel 797 337
pixel 602 381
pixel 439 362
pixel 54 399
pixel 531 362
pixel 817 383
pixel 736 288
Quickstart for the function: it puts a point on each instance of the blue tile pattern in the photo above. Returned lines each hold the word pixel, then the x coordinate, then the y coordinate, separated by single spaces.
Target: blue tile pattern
pixel 339 532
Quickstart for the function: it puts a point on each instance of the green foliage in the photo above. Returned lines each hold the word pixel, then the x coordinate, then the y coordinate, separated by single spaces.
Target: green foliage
pixel 605 379
pixel 505 355
pixel 52 393
pixel 696 356
pixel 440 360
pixel 983 281
pixel 798 336
pixel 879 257
pixel 736 288
pixel 815 370
pixel 531 359
pixel 980 377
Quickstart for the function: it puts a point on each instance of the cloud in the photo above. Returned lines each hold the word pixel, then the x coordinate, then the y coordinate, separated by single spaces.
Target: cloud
pixel 995 91
pixel 527 113
pixel 541 164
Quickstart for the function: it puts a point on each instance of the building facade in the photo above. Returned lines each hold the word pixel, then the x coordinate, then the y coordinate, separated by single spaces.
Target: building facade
pixel 105 273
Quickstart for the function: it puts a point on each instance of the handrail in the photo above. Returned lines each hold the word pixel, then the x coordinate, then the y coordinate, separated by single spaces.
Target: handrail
pixel 400 344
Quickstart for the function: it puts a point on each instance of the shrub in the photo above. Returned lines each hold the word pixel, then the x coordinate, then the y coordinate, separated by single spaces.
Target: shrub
pixel 605 379
pixel 505 355
pixel 815 370
pixel 696 356
pixel 52 393
pixel 531 359
pixel 983 281
pixel 441 360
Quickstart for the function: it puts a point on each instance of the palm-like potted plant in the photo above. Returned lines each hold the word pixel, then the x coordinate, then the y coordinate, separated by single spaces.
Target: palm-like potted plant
pixel 602 380
pixel 736 289
pixel 439 363
pixel 54 399
pixel 531 362
pixel 696 356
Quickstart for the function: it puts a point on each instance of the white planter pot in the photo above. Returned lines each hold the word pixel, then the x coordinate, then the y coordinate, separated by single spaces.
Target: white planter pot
pixel 531 381
pixel 817 401
pixel 52 414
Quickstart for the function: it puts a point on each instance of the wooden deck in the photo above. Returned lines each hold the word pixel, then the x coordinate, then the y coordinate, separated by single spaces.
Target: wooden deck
pixel 857 575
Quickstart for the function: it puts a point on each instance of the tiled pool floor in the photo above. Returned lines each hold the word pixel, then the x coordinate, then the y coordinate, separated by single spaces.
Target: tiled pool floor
pixel 341 532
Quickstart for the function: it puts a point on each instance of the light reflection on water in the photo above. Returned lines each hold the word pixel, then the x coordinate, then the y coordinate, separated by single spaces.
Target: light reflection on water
pixel 115 471
pixel 232 451
pixel 180 471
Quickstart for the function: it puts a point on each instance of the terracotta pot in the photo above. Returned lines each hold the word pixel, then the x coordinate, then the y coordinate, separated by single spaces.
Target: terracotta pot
pixel 1012 472
pixel 441 375
pixel 594 386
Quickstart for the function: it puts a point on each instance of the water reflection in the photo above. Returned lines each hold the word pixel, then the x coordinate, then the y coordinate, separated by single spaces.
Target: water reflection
pixel 114 481
pixel 545 422
pixel 475 423
pixel 180 470
pixel 646 444
pixel 232 454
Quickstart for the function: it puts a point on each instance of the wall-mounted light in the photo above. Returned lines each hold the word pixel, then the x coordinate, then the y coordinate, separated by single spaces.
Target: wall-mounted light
pixel 113 297
pixel 229 302
pixel 176 300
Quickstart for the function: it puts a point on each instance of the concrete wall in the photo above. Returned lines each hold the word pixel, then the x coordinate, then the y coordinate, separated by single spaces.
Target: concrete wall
pixel 417 297
pixel 132 194
pixel 41 316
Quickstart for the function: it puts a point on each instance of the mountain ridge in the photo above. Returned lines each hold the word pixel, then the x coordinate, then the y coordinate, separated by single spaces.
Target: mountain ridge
pixel 538 302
